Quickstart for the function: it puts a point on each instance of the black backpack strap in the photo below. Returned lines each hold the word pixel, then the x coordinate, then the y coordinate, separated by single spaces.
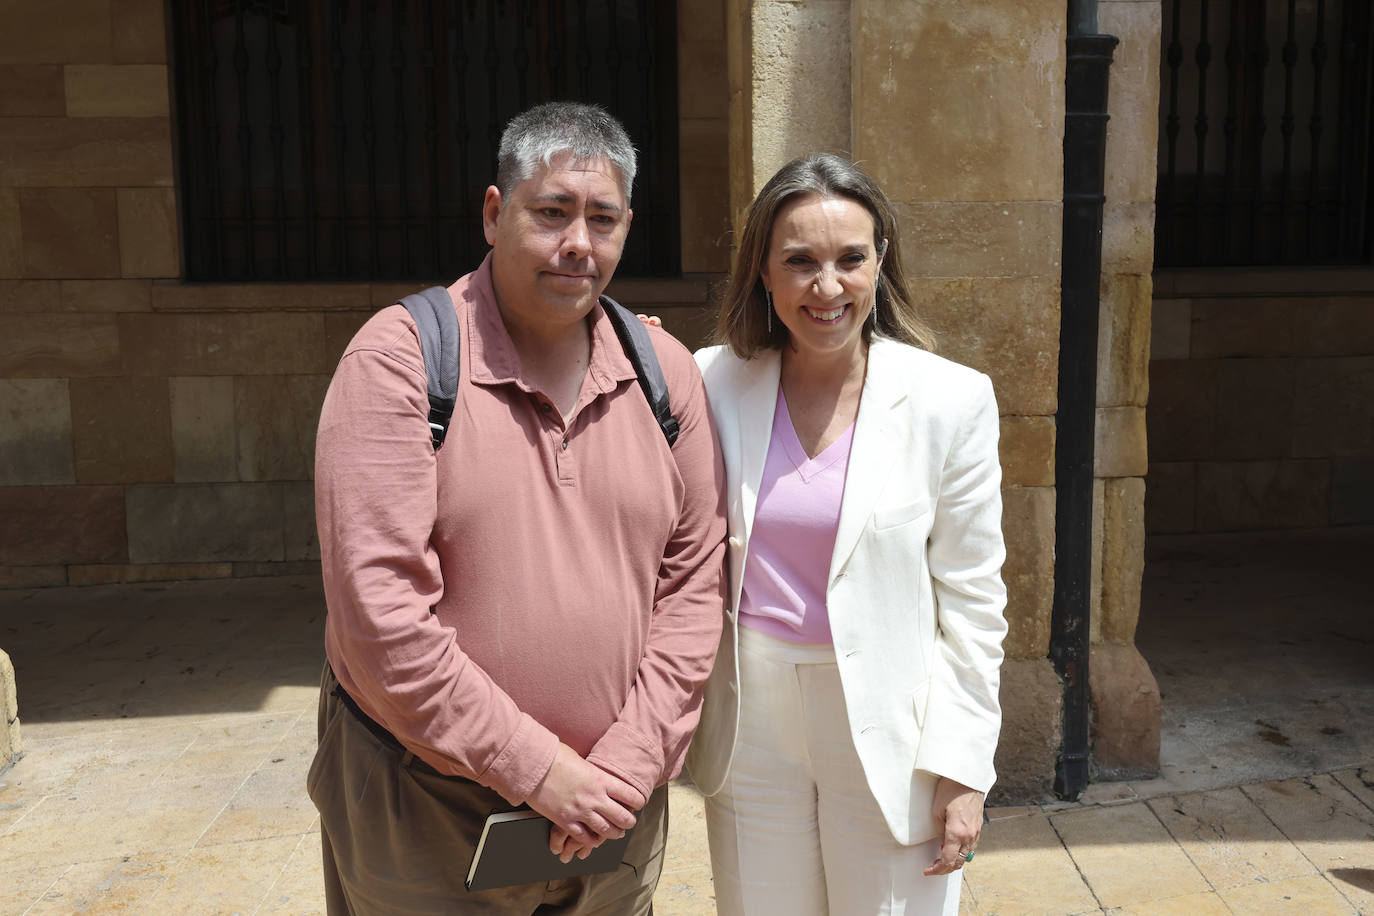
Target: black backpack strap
pixel 437 323
pixel 634 337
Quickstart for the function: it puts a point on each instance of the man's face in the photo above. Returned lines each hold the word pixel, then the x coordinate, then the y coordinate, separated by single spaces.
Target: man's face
pixel 556 240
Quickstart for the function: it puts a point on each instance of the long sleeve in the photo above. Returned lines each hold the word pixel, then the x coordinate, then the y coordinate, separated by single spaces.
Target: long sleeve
pixel 965 557
pixel 647 743
pixel 376 503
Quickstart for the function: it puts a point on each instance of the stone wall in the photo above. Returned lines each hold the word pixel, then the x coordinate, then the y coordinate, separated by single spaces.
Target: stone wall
pixel 151 429
pixel 1262 385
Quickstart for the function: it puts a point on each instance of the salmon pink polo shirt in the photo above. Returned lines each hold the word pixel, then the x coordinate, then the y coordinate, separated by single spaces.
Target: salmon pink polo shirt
pixel 533 581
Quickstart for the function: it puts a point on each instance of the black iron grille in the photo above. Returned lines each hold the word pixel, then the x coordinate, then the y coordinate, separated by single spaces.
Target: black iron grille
pixel 1264 141
pixel 353 139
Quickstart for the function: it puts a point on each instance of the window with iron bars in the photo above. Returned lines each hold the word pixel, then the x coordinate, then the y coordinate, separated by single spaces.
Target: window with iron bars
pixel 353 139
pixel 1264 136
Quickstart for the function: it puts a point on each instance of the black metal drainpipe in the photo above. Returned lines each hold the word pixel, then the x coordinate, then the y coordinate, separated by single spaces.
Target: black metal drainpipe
pixel 1085 142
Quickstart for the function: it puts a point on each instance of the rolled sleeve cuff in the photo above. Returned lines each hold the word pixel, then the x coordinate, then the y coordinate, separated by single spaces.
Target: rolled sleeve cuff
pixel 522 763
pixel 626 753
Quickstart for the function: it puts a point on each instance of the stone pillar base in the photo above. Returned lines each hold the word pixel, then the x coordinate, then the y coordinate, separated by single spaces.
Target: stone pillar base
pixel 10 745
pixel 1032 731
pixel 1125 713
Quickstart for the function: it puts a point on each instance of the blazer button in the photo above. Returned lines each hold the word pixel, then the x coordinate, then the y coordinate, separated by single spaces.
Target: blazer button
pixel 736 543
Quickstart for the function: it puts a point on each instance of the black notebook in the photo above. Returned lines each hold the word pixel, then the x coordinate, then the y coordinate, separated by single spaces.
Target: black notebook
pixel 514 849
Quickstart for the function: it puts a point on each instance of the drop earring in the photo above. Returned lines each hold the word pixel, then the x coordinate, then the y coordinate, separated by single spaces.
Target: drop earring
pixel 769 296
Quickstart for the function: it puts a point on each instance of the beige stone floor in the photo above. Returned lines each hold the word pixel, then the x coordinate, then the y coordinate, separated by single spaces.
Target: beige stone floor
pixel 168 729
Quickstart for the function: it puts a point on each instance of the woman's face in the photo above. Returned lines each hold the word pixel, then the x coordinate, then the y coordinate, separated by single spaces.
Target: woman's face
pixel 822 270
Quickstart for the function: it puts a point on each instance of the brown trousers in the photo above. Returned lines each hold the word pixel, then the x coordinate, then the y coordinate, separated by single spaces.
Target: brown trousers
pixel 398 838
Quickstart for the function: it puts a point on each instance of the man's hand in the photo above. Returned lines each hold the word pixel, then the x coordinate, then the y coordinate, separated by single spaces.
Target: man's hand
pixel 586 804
pixel 960 810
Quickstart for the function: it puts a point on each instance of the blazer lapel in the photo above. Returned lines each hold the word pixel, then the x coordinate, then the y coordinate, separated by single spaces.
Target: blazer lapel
pixel 756 404
pixel 872 454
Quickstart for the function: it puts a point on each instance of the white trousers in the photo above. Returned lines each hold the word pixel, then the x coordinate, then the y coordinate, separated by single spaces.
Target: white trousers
pixel 795 828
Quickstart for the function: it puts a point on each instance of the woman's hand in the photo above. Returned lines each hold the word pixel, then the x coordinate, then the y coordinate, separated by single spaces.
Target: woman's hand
pixel 959 810
pixel 652 321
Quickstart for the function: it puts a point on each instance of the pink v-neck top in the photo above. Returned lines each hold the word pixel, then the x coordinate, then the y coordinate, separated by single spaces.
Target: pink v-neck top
pixel 793 537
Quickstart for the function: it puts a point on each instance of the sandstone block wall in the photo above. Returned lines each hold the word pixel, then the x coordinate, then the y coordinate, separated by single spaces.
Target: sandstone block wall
pixel 1261 411
pixel 151 429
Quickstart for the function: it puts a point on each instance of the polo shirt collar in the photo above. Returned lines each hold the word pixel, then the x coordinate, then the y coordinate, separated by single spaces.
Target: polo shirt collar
pixel 492 355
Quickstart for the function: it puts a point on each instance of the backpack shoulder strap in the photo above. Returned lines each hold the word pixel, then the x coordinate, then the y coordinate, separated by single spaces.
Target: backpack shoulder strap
pixel 634 337
pixel 437 323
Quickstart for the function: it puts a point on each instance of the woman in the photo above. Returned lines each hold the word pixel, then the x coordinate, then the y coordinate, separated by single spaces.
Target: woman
pixel 848 729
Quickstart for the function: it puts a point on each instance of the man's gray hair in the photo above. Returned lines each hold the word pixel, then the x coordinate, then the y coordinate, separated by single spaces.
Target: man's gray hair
pixel 533 138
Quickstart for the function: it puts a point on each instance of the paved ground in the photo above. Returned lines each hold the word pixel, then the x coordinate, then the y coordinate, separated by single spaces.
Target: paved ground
pixel 168 728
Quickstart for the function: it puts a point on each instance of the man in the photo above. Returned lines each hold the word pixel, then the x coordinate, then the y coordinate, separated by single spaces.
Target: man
pixel 529 614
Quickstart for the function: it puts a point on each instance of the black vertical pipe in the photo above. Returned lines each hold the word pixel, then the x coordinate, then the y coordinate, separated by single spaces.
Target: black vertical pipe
pixel 1085 143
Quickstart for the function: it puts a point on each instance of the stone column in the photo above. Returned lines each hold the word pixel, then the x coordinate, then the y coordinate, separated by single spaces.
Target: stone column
pixel 1125 698
pixel 10 744
pixel 958 111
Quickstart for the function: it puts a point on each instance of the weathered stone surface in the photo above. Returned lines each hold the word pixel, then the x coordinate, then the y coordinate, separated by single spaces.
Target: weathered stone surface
pixel 35 432
pixel 11 740
pixel 1095 562
pixel 229 344
pixel 1229 328
pixel 1171 329
pixel 116 90
pixel 122 430
pixel 276 297
pixel 148 241
pixel 86 152
pixel 1019 239
pixel 1242 495
pixel 1333 413
pixel 55 525
pixel 203 429
pixel 32 576
pixel 1123 556
pixel 703 90
pixel 69 232
pixel 1032 730
pixel 32 296
pixel 31 90
pixel 1026 450
pixel 55 32
pixel 302 541
pixel 1133 102
pixel 154 572
pixel 137 31
pixel 801 79
pixel 1120 442
pixel 56 346
pixel 11 239
pixel 339 329
pixel 705 216
pixel 1183 406
pixel 1125 713
pixel 1006 327
pixel 1128 237
pixel 1335 326
pixel 1028 527
pixel 105 296
pixel 980 89
pixel 1123 341
pixel 1352 491
pixel 292 568
pixel 276 419
pixel 210 523
pixel 1169 497
pixel 1255 408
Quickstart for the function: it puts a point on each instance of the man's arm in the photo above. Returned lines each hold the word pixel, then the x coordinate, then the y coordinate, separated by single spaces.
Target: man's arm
pixel 647 742
pixel 376 506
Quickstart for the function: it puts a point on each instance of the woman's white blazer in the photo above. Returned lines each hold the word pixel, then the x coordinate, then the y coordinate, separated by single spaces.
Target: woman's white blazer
pixel 915 592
